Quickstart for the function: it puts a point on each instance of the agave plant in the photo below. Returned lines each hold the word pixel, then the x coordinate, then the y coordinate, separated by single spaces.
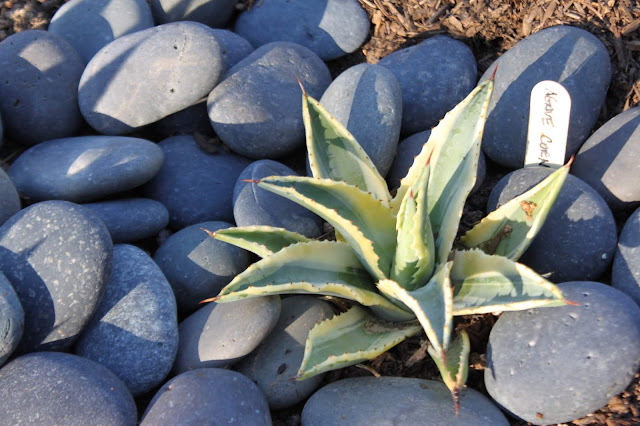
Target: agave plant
pixel 394 256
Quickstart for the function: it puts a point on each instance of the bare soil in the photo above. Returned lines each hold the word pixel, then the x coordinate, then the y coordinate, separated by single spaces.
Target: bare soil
pixel 489 28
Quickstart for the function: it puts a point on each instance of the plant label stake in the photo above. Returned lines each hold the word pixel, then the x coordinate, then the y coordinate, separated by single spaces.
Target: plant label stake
pixel 549 111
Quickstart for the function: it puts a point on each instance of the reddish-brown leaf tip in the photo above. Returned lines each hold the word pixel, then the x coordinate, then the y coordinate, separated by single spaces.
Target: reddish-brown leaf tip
pixel 569 302
pixel 493 76
pixel 212 299
pixel 304 92
pixel 211 234
pixel 250 180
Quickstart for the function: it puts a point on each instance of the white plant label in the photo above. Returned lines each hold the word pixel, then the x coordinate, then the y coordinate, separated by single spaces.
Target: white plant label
pixel 548 125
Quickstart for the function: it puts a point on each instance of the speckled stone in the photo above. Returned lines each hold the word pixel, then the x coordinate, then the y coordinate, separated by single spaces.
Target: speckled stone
pixel 193 184
pixel 134 331
pixel 329 28
pixel 197 266
pixel 554 365
pixel 9 198
pixel 367 100
pixel 145 76
pixel 409 148
pixel 57 256
pixel 434 76
pixel 53 388
pixel 89 25
pixel 206 396
pixel 213 13
pixel 253 205
pixel 219 335
pixel 625 275
pixel 274 364
pixel 571 56
pixel 578 239
pixel 84 168
pixel 609 161
pixel 11 319
pixel 131 219
pixel 39 75
pixel 397 401
pixel 236 47
pixel 257 108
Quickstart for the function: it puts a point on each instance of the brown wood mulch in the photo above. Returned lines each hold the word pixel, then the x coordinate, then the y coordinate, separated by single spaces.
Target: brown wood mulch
pixel 489 27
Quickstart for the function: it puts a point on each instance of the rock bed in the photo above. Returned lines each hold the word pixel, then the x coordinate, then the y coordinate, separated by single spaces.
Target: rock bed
pixel 59 256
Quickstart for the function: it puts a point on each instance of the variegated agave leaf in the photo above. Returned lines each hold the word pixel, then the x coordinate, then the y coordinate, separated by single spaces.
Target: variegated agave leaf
pixel 261 240
pixel 335 154
pixel 364 222
pixel 350 338
pixel 484 283
pixel 454 147
pixel 509 230
pixel 318 267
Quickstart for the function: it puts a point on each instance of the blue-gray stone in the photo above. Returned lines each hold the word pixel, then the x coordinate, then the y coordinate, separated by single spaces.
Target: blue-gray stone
pixel 131 219
pixel 578 239
pixel 53 388
pixel 11 319
pixel 367 100
pixel 329 28
pixel 197 266
pixel 9 198
pixel 434 76
pixel 145 76
pixel 219 335
pixel 609 161
pixel 208 396
pixel 191 120
pixel 194 185
pixel 409 148
pixel 253 205
pixel 257 108
pixel 89 25
pixel 571 56
pixel 57 256
pixel 213 13
pixel 625 275
pixel 274 364
pixel 39 75
pixel 236 47
pixel 398 401
pixel 84 168
pixel 554 365
pixel 134 331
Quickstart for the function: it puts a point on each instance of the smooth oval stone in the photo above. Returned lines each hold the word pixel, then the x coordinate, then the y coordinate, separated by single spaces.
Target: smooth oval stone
pixel 554 365
pixel 57 256
pixel 134 332
pixel 219 335
pixel 253 205
pixel 206 396
pixel 194 185
pixel 274 364
pixel 367 100
pixel 63 389
pixel 608 161
pixel 571 56
pixel 11 319
pixel 434 76
pixel 397 401
pixel 39 75
pixel 131 219
pixel 578 239
pixel 625 275
pixel 213 13
pixel 329 28
pixel 409 148
pixel 84 168
pixel 193 119
pixel 9 198
pixel 256 109
pixel 145 76
pixel 197 266
pixel 237 47
pixel 89 25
